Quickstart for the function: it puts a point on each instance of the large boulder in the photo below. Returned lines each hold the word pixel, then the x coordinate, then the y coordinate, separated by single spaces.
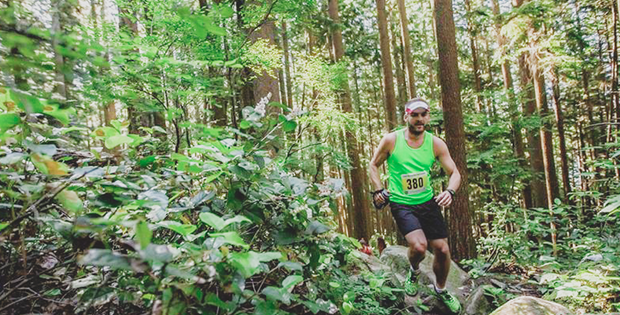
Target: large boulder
pixel 527 305
pixel 373 263
pixel 396 257
pixel 479 303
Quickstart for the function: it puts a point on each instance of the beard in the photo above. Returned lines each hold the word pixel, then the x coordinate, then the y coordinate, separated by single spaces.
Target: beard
pixel 413 130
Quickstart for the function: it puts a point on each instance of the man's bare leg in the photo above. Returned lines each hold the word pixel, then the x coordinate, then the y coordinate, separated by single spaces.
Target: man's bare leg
pixel 417 247
pixel 441 263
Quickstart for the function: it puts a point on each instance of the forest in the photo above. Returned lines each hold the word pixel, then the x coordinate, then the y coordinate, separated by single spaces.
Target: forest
pixel 213 156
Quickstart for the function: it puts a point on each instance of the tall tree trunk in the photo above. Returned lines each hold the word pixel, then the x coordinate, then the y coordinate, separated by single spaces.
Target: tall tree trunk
pixel 559 117
pixel 615 96
pixel 517 136
pixel 474 55
pixel 429 59
pixel 265 84
pixel 386 63
pixel 406 40
pixel 60 80
pixel 459 219
pixel 586 107
pixel 545 131
pixel 127 24
pixel 287 67
pixel 360 201
pixel 400 74
pixel 539 196
pixel 551 180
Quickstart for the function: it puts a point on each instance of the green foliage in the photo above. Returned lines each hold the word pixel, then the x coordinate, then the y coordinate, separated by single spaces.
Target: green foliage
pixel 365 294
pixel 585 273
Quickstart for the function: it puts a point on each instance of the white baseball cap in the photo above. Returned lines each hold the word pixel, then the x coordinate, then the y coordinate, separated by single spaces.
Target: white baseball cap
pixel 415 104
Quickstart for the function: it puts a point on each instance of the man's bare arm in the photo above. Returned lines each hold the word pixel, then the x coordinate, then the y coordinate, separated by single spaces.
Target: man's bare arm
pixel 443 155
pixel 381 154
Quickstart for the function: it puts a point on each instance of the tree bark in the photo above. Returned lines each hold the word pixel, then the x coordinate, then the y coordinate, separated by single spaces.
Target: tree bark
pixel 60 80
pixel 559 117
pixel 386 63
pixel 517 136
pixel 459 219
pixel 265 84
pixel 287 67
pixel 359 192
pixel 406 40
pixel 551 179
pixel 474 56
pixel 400 73
pixel 539 195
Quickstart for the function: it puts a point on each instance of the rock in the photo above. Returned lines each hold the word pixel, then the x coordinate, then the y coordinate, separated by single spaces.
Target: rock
pixel 372 263
pixel 498 284
pixel 527 305
pixel 478 303
pixel 396 257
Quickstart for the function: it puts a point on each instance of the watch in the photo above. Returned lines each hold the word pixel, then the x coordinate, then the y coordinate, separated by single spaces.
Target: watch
pixel 452 192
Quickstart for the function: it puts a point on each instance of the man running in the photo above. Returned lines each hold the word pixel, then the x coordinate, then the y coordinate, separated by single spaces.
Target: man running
pixel 410 154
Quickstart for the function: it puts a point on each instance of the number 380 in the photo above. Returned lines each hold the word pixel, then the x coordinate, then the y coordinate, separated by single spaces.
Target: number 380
pixel 415 183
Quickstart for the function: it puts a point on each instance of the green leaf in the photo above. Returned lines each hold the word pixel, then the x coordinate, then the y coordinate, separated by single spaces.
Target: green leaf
pixel 226 12
pixel 289 126
pixel 232 238
pixel 144 234
pixel 30 104
pixel 213 177
pixel 61 114
pixel 248 263
pixel 244 124
pixel 291 281
pixel 347 307
pixel 316 227
pixel 183 229
pixel 117 140
pixel 212 220
pixel 277 294
pixel 163 253
pixel 611 205
pixel 48 166
pixel 214 29
pixel 53 292
pixel 147 160
pixel 218 223
pixel 12 158
pixel 291 265
pixel 8 121
pixel 137 140
pixel 70 200
pixel 105 257
pixel 116 124
pixel 236 219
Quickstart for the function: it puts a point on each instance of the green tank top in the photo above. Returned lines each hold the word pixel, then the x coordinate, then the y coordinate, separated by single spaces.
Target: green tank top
pixel 409 168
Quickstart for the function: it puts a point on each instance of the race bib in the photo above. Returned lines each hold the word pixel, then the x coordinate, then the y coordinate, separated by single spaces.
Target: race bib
pixel 414 183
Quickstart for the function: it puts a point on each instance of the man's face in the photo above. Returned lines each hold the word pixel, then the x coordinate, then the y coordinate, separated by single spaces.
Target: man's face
pixel 417 120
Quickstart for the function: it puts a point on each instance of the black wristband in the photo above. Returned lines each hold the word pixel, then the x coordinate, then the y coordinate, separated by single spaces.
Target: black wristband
pixel 452 192
pixel 377 191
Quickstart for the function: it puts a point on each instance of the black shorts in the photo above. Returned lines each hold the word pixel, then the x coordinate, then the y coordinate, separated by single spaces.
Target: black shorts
pixel 426 216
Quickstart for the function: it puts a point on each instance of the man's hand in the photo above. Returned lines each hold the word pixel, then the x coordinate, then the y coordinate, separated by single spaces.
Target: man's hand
pixel 380 198
pixel 444 199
